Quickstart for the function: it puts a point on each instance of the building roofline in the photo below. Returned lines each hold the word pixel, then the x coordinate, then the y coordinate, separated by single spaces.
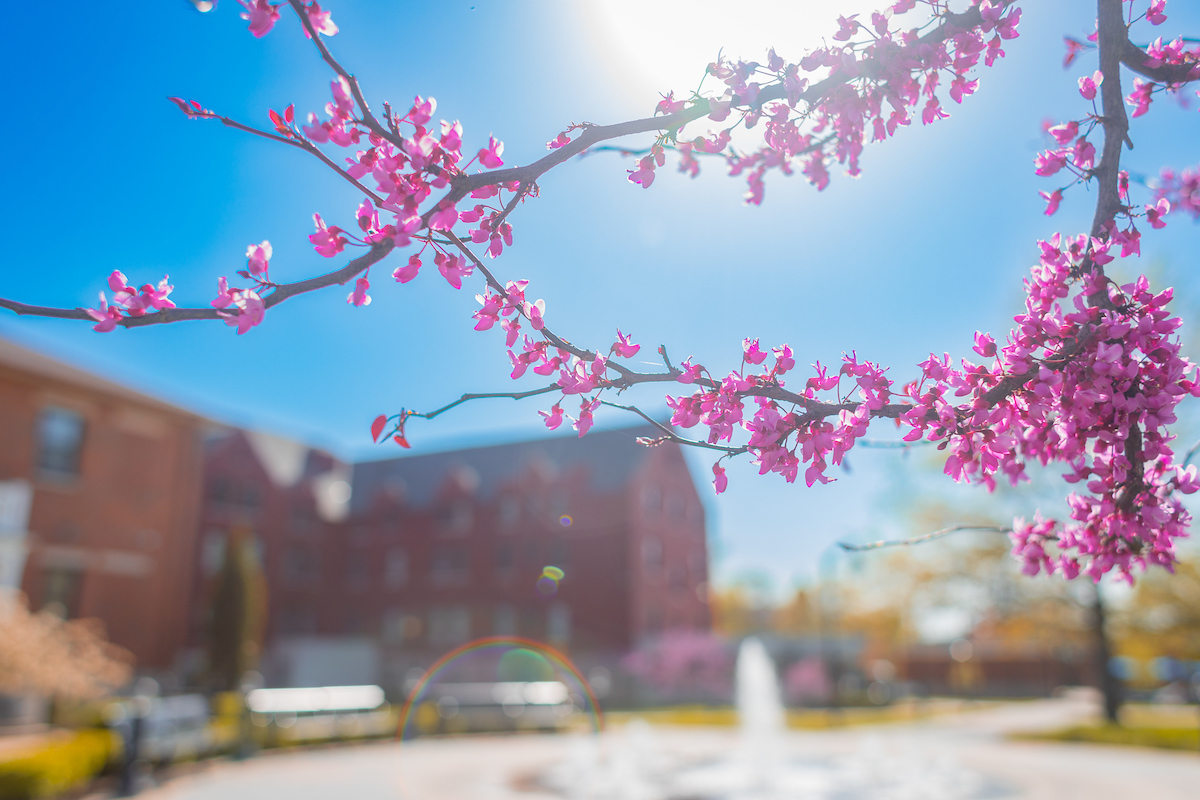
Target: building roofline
pixel 19 358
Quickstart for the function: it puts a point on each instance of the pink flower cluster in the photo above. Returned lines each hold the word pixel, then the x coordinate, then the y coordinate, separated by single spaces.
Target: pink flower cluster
pixel 1181 190
pixel 1090 378
pixel 885 77
pixel 129 301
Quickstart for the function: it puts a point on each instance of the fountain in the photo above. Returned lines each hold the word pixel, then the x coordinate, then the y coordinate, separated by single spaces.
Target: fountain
pixel 637 763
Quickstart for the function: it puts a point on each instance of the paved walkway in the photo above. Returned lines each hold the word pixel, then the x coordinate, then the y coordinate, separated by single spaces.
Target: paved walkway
pixel 960 757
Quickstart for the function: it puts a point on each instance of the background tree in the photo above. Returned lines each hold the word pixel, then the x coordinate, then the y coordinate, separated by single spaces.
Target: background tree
pixel 41 653
pixel 239 612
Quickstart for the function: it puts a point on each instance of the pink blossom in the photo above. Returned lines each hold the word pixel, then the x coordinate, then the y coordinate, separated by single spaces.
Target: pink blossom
pixel 404 228
pixel 1052 200
pixel 669 105
pixel 258 256
pixel 106 316
pixel 1154 14
pixel 533 312
pixel 250 307
pixel 784 361
pixel 327 241
pixel 261 15
pixel 751 353
pixel 408 271
pixel 490 155
pixel 1064 133
pixel 1049 162
pixel 644 174
pixel 1141 96
pixel 320 20
pixel 985 345
pixel 558 141
pixel 1089 85
pixel 553 417
pixel 624 347
pixel 422 110
pixel 1074 48
pixel 359 296
pixel 586 409
pixel 444 217
pixel 453 268
pixel 689 373
pixel 1156 212
pixel 157 296
pixel 720 481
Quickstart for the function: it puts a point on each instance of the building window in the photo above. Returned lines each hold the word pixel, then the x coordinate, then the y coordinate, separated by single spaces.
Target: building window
pixel 60 592
pixel 652 554
pixel 676 506
pixel 357 570
pixel 504 620
pixel 455 518
pixel 651 501
pixel 449 564
pixel 225 490
pixel 449 625
pixel 212 552
pixel 300 566
pixel 302 520
pixel 395 567
pixel 505 557
pixel 60 442
pixel 398 626
pixel 677 578
pixel 510 511
pixel 558 624
pixel 653 620
pixel 559 553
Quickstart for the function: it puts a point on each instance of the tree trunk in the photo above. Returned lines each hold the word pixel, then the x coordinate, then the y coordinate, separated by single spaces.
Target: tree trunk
pixel 1110 685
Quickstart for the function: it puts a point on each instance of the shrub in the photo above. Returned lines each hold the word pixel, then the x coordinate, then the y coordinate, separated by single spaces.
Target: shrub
pixel 56 766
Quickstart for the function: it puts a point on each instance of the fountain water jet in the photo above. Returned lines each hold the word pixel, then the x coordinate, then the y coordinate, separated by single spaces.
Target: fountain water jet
pixel 636 765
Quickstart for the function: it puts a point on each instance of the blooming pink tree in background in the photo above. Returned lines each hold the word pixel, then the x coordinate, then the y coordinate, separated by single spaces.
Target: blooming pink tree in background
pixel 1089 378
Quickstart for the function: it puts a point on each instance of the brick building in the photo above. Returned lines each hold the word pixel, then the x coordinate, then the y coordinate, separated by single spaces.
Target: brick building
pixel 114 479
pixel 388 564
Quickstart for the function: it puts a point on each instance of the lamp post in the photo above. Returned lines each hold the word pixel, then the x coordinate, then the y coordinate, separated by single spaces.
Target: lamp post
pixel 145 690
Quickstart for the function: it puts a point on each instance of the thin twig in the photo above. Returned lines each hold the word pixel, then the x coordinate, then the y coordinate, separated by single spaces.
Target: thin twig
pixel 919 539
pixel 670 434
pixel 484 396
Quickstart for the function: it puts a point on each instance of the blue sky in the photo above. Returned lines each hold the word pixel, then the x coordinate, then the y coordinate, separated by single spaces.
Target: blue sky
pixel 927 246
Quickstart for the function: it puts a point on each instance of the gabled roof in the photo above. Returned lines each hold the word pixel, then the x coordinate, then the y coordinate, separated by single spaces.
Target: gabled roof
pixel 609 459
pixel 22 359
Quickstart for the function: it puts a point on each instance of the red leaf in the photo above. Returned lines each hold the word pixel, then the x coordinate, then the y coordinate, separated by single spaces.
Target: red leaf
pixel 278 120
pixel 377 427
pixel 400 440
pixel 183 106
pixel 289 113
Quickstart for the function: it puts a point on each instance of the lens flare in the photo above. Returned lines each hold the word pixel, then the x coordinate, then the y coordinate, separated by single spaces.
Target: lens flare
pixel 528 651
pixel 565 520
pixel 554 573
pixel 546 586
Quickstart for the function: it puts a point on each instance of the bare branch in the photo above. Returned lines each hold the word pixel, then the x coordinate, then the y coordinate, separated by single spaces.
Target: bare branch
pixel 1113 36
pixel 484 396
pixel 670 435
pixel 929 537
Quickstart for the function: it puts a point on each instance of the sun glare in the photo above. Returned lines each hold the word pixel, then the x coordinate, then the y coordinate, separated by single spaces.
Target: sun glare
pixel 655 46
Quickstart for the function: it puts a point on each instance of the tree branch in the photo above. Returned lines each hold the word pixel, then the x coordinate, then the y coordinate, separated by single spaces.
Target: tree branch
pixel 1135 58
pixel 281 292
pixel 928 537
